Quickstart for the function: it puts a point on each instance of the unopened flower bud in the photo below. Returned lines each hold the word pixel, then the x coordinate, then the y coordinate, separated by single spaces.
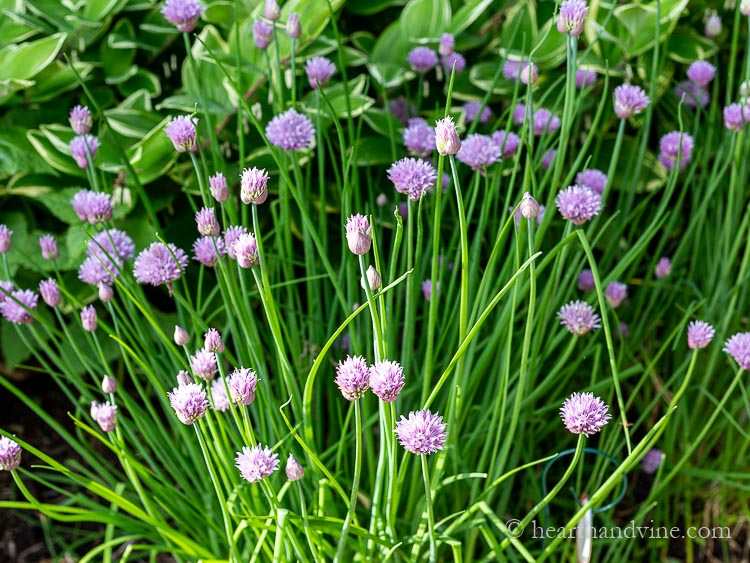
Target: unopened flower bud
pixel 529 206
pixel 373 279
pixel 358 234
pixel 294 471
pixel 109 384
pixel 183 378
pixel 181 337
pixel 105 292
pixel 447 140
pixel 293 27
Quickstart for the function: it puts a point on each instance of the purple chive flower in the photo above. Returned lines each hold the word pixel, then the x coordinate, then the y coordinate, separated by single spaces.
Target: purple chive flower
pixel 204 364
pixel 517 216
pixel 419 138
pixel 511 69
pixel 181 131
pixel 651 461
pixel 181 336
pixel 549 156
pixel 10 454
pixel 219 399
pixel 242 383
pixel 674 146
pixel 254 185
pixel 183 378
pixel 478 151
pixel 622 331
pixel 507 141
pixel 319 71
pixel 353 377
pixel 713 26
pixel 447 44
pixel 5 235
pixel 699 334
pixel 160 264
pixel 107 251
pixel 291 131
pixel 218 187
pixel 6 288
pixel 246 250
pixel 454 59
pixel 585 78
pixel 78 149
pixel 427 289
pixel 519 114
pixel 88 318
pixel 256 463
pixel 410 176
pixel 693 94
pixel 189 402
pixel 49 291
pixel 109 385
pixel 386 380
pixel 230 237
pixel 736 116
pixel 16 307
pixel 545 122
pixel 80 120
pixel 472 112
pixel 578 317
pixel 578 204
pixel 630 100
pixel 183 14
pixel 616 293
pixel 572 16
pixel 271 10
pixel 293 27
pixel 48 244
pixel 583 413
pixel 212 341
pixel 447 140
pixel 401 109
pixel 586 280
pixel 701 73
pixel 208 226
pixel 529 74
pixel 93 207
pixel 422 59
pixel 204 250
pixel 262 34
pixel 104 414
pixel 423 433
pixel 358 234
pixel 663 268
pixel 403 210
pixel 294 471
pixel 593 179
pixel 738 346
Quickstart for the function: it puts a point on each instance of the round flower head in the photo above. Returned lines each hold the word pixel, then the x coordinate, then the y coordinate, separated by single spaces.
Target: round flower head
pixel 519 114
pixel 271 10
pixel 616 293
pixel 16 308
pixel 93 207
pixel 419 138
pixel 713 26
pixel 549 156
pixel 256 463
pixel 183 14
pixel 88 318
pixel 578 204
pixel 529 207
pixel 107 251
pixel 675 146
pixel 160 264
pixel 212 341
pixel 663 268
pixel 242 383
pixel 630 100
pixel 447 140
pixel 472 112
pixel 80 120
pixel 738 346
pixel 293 27
pixel 183 378
pixel 6 288
pixel 48 244
pixel 423 433
pixel 319 71
pixel 692 94
pixel 427 289
pixel 583 413
pixel 447 44
pixel 410 176
pixel 105 414
pixel 456 60
pixel 699 334
pixel 651 461
pixel 218 187
pixel 294 471
pixel 204 364
pixel 736 116
pixel 511 69
pixel 358 234
pixel 701 73
pixel 585 78
pixel 230 237
pixel 50 292
pixel 205 250
pixel 254 185
pixel 422 59
pixel 262 34
pixel 181 131
pixel 5 235
pixel 545 122
pixel 507 141
pixel 386 380
pixel 208 226
pixel 593 179
pixel 572 16
pixel 578 317
pixel 78 148
pixel 189 402
pixel 246 250
pixel 10 454
pixel 291 131
pixel 478 151
pixel 353 377
pixel 219 399
pixel 401 109
pixel 586 280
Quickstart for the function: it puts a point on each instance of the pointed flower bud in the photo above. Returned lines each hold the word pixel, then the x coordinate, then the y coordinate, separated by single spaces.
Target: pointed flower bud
pixel 109 384
pixel 529 206
pixel 181 337
pixel 358 234
pixel 446 137
pixel 294 471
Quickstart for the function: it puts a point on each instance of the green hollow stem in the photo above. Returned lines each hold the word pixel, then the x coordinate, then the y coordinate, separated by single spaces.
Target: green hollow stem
pixel 203 101
pixel 355 483
pixel 428 505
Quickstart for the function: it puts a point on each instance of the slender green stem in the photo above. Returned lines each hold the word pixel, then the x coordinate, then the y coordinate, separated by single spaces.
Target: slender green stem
pixel 428 504
pixel 355 484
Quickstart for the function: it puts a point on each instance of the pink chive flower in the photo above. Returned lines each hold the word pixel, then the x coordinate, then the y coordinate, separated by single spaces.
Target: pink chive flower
pixel 507 141
pixel 160 264
pixel 479 152
pixel 651 461
pixel 353 377
pixel 663 268
pixel 88 318
pixel 16 308
pixel 208 226
pixel 5 236
pixel 586 280
pixel 674 147
pixel 105 415
pixel 692 94
pixel 109 385
pixel 472 112
pixel 294 471
pixel 386 380
pixel 319 71
pixel 80 120
pixel 254 185
pixel 205 250
pixel 204 364
pixel 578 317
pixel 578 204
pixel 616 293
pixel 447 44
pixel 246 250
pixel 219 399
pixel 183 14
pixel 419 138
pixel 358 234
pixel 189 402
pixel 423 433
pixel 181 131
pixel 106 253
pixel 413 177
pixel 529 74
pixel 48 245
pixel 572 16
pixel 93 207
pixel 262 34
pixel 456 60
pixel 106 293
pixel 181 336
pixel 49 291
pixel 422 59
pixel 699 334
pixel 701 73
pixel 293 27
pixel 447 140
pixel 218 187
pixel 81 146
pixel 630 100
pixel 231 235
pixel 242 383
pixel 736 117
pixel 271 10
pixel 593 179
pixel 583 413
pixel 292 131
pixel 585 78
pixel 519 114
pixel 10 454
pixel 256 463
pixel 545 122
pixel 212 341
pixel 738 346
